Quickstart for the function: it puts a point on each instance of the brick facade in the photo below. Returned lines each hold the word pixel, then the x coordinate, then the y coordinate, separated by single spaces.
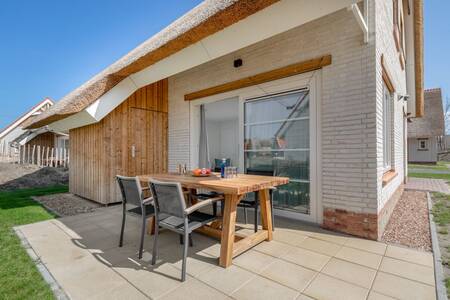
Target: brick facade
pixel 351 192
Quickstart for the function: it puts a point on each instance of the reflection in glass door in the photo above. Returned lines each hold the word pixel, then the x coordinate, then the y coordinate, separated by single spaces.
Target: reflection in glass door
pixel 276 141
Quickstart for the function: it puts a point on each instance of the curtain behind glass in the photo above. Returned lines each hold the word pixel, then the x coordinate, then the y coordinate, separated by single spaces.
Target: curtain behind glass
pixel 203 159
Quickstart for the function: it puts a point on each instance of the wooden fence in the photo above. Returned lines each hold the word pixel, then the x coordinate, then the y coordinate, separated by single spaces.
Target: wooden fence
pixel 35 155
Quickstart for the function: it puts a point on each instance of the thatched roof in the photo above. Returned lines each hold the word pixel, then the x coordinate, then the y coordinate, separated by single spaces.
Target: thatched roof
pixel 432 123
pixel 205 19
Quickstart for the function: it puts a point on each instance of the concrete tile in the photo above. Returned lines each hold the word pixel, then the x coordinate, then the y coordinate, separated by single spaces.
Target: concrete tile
pixel 306 258
pixel 350 272
pixel 364 258
pixel 197 263
pixel 377 296
pixel 124 291
pixel 402 288
pixel 414 256
pixel 274 248
pixel 320 246
pixel 154 282
pixel 330 236
pixel 253 261
pixel 261 288
pixel 304 297
pixel 213 250
pixel 289 274
pixel 408 270
pixel 85 278
pixel 328 288
pixel 288 237
pixel 194 289
pixel 226 280
pixel 366 245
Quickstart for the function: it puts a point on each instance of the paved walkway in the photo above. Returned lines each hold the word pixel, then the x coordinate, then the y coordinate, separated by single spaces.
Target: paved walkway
pixel 303 262
pixel 426 184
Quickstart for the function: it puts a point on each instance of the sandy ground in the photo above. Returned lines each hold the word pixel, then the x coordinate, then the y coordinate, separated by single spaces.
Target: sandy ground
pixel 14 176
pixel 409 224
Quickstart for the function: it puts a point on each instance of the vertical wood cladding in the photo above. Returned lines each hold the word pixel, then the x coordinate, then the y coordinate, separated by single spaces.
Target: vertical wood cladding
pixel 103 150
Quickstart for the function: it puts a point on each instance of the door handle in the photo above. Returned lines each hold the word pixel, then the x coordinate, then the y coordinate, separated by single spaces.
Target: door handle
pixel 133 151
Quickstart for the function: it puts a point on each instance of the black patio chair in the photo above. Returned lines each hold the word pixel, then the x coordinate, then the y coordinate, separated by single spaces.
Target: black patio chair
pixel 133 194
pixel 171 213
pixel 252 201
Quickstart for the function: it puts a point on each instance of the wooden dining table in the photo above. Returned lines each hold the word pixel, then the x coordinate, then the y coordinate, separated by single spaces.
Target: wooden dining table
pixel 234 189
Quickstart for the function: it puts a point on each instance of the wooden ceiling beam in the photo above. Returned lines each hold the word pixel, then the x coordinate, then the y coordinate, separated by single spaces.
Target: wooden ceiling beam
pixel 287 71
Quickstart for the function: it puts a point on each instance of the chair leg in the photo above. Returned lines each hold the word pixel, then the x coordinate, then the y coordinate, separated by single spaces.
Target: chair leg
pixel 185 252
pixel 123 226
pixel 214 205
pixel 141 246
pixel 155 243
pixel 256 212
pixel 191 242
pixel 245 215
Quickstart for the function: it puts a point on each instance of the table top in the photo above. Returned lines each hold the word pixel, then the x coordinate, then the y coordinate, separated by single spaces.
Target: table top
pixel 239 185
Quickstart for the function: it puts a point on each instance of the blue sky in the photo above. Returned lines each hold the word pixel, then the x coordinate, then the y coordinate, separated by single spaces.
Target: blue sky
pixel 50 47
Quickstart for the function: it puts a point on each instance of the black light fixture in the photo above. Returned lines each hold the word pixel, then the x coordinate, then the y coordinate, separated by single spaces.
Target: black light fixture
pixel 237 63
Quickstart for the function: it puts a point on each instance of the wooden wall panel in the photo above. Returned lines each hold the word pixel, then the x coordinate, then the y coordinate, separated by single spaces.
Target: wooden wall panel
pixel 46 139
pixel 101 151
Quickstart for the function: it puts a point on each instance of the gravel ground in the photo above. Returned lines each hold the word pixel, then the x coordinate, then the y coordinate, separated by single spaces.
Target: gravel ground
pixel 15 176
pixel 409 224
pixel 67 204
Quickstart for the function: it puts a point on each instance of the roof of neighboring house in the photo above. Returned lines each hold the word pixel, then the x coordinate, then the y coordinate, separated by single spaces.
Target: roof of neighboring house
pixel 432 123
pixel 205 19
pixel 32 133
pixel 31 114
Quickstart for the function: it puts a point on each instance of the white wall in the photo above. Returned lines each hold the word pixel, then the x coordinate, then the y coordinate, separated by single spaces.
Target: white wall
pixel 385 45
pixel 348 117
pixel 427 156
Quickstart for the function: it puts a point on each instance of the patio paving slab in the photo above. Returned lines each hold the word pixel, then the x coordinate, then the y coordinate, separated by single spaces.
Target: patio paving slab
pixel 350 272
pixel 303 262
pixel 329 288
pixel 402 288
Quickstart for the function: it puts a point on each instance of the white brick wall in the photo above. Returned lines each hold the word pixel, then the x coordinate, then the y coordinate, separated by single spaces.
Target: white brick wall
pixel 351 101
pixel 385 45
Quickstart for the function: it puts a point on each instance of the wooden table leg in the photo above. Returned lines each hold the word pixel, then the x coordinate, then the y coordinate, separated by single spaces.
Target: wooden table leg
pixel 266 213
pixel 228 227
pixel 151 226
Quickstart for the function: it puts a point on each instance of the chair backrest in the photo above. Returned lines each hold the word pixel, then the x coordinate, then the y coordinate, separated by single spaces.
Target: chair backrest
pixel 131 190
pixel 259 172
pixel 168 197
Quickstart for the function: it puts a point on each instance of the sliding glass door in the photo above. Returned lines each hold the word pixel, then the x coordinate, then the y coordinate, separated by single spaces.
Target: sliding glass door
pixel 277 141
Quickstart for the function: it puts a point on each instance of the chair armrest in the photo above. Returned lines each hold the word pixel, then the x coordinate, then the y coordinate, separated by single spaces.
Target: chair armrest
pixel 201 204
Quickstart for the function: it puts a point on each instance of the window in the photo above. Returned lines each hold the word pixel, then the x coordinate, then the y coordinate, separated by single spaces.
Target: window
pixel 277 141
pixel 387 129
pixel 423 144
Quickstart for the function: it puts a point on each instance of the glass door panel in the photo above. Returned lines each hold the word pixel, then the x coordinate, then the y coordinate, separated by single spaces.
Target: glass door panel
pixel 276 140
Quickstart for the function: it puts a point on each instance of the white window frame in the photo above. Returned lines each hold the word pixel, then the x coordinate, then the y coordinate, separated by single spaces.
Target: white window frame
pixel 387 128
pixel 419 144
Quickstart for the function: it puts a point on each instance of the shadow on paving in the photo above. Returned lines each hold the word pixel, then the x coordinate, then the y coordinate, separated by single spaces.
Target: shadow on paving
pixel 99 233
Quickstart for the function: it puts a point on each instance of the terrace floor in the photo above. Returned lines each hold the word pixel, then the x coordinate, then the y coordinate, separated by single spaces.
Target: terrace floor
pixel 302 262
